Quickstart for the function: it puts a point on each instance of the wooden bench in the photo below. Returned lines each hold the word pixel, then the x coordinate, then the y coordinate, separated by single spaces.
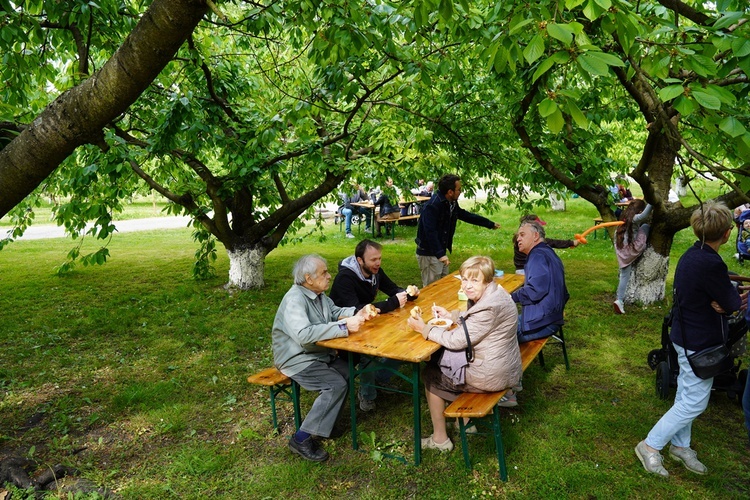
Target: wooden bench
pixel 279 384
pixel 393 222
pixel 481 406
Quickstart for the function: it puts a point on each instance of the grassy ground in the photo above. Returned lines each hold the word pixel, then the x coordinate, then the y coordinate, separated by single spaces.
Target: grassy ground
pixel 135 374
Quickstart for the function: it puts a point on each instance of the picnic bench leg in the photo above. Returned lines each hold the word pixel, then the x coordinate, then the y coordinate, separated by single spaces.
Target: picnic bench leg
pixel 353 399
pixel 295 403
pixel 464 442
pixel 541 359
pixel 499 443
pixel 272 389
pixel 417 419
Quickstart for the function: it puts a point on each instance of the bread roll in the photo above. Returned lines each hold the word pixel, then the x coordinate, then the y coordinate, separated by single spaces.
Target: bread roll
pixel 416 312
pixel 371 311
pixel 412 290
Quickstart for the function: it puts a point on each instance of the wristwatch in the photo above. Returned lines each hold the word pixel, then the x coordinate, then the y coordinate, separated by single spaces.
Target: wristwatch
pixel 343 328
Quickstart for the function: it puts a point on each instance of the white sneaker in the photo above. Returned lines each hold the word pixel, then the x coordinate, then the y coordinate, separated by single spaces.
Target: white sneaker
pixel 652 462
pixel 689 458
pixel 429 444
pixel 619 307
pixel 349 235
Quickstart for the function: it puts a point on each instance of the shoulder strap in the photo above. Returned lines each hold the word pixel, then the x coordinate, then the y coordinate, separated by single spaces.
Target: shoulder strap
pixel 469 349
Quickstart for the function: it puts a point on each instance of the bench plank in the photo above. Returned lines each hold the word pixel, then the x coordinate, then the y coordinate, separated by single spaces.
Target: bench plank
pixel 270 377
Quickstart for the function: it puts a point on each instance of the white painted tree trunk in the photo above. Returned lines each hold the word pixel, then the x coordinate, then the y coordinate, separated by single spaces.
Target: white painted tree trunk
pixel 557 201
pixel 649 278
pixel 679 187
pixel 246 267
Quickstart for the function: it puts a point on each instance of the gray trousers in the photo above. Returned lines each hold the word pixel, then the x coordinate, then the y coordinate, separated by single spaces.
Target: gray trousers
pixel 432 269
pixel 331 380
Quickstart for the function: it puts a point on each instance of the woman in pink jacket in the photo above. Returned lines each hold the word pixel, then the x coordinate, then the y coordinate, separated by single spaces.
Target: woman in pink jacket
pixel 490 319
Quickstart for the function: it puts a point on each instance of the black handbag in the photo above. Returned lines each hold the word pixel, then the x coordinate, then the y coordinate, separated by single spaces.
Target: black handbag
pixel 708 362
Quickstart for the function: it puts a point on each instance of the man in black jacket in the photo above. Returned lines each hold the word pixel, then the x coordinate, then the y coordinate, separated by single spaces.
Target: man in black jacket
pixel 437 224
pixel 357 283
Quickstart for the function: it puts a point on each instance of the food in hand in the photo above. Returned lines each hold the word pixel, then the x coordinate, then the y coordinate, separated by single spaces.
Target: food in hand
pixel 439 322
pixel 412 290
pixel 416 312
pixel 371 311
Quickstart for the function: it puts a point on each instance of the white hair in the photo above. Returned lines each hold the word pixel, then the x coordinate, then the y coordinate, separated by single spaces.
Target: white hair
pixel 307 264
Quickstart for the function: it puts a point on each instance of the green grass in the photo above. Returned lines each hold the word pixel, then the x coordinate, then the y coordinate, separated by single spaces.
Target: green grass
pixel 135 374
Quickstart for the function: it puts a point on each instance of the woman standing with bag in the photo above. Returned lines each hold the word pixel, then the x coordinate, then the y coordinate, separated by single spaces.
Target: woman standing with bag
pixel 489 325
pixel 703 295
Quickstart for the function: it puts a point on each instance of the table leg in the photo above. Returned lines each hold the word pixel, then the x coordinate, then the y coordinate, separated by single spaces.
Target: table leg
pixel 353 399
pixel 417 417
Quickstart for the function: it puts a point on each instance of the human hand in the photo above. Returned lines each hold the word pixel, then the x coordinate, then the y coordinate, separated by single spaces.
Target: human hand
pixel 717 307
pixel 401 298
pixel 444 259
pixel 496 226
pixel 368 312
pixel 576 242
pixel 354 322
pixel 417 324
pixel 440 312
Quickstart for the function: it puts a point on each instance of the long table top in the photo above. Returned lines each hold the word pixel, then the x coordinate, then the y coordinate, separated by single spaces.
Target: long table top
pixel 390 336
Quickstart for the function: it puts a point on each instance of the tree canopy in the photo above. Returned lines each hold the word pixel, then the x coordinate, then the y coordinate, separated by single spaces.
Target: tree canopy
pixel 260 110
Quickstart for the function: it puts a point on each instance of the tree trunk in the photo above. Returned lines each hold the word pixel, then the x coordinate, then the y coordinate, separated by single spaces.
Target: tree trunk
pixel 557 202
pixel 246 266
pixel 648 279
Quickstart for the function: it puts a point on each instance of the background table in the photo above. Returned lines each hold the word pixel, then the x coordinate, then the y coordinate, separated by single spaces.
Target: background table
pixel 389 336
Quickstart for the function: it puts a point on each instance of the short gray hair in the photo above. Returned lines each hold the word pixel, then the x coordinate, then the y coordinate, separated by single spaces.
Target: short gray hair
pixel 307 264
pixel 538 228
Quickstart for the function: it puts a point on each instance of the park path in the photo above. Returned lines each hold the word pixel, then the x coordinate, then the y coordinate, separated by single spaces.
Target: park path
pixel 42 231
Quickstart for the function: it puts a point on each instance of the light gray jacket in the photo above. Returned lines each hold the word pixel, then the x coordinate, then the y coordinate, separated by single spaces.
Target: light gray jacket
pixel 492 323
pixel 302 319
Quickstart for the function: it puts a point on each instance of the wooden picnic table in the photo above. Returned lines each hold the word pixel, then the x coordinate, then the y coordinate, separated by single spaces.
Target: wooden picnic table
pixel 389 336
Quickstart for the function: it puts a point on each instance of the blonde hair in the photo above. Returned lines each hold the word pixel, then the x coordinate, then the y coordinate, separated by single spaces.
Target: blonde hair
pixel 711 220
pixel 479 265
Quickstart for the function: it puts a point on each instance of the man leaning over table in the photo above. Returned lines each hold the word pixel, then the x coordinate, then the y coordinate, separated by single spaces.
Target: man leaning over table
pixel 357 284
pixel 437 224
pixel 543 295
pixel 305 316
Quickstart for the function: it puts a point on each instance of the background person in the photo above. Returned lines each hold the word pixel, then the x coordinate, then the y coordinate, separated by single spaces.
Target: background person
pixel 543 295
pixel 349 210
pixel 305 316
pixel 630 243
pixel 437 225
pixel 519 258
pixel 357 284
pixel 491 319
pixel 704 295
pixel 388 211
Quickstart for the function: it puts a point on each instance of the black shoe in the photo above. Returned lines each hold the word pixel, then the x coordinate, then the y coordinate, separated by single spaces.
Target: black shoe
pixel 308 449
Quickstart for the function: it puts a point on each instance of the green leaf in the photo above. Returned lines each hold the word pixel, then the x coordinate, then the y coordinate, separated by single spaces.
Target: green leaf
pixel 702 65
pixel 534 49
pixel 556 121
pixel 543 67
pixel 592 10
pixel 732 126
pixel 604 4
pixel 706 100
pixel 547 107
pixel 685 105
pixel 607 59
pixel 560 32
pixel 446 9
pixel 517 24
pixel 741 47
pixel 670 92
pixel 577 115
pixel 728 19
pixel 592 65
pixel 571 4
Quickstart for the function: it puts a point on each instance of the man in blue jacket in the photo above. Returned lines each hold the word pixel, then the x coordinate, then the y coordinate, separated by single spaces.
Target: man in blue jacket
pixel 437 224
pixel 543 294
